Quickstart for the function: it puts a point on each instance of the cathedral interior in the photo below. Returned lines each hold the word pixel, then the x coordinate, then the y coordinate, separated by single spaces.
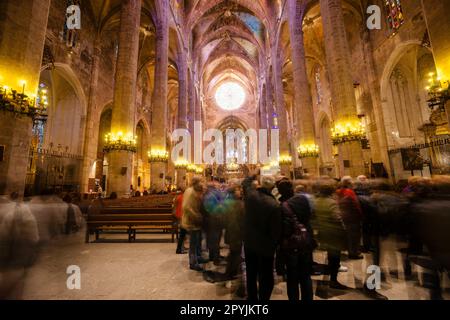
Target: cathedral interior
pixel 95 94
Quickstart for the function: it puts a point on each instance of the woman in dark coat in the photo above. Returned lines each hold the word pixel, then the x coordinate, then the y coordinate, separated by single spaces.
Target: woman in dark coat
pixel 331 236
pixel 296 213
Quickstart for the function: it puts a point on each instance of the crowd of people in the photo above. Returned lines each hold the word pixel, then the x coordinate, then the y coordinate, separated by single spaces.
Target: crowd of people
pixel 272 226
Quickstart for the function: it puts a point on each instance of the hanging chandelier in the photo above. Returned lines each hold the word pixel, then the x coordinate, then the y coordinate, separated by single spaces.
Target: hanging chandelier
pixel 438 92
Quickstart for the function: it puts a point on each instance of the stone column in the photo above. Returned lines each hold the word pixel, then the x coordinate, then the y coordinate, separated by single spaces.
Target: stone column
pixel 182 108
pixel 262 108
pixel 197 100
pixel 121 162
pixel 23 25
pixel 302 92
pixel 191 102
pixel 341 84
pixel 159 121
pixel 280 108
pixel 91 134
pixel 437 17
pixel 376 130
pixel 269 98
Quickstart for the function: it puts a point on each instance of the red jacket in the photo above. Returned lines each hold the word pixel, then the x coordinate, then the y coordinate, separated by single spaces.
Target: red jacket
pixel 179 206
pixel 349 205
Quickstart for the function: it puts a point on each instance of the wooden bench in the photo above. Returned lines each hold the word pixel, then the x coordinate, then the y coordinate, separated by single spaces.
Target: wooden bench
pixel 131 220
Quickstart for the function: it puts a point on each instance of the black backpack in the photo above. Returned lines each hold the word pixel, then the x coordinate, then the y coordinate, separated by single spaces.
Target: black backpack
pixel 300 239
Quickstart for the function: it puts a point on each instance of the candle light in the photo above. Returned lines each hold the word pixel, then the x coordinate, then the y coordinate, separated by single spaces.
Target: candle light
pixel 23 82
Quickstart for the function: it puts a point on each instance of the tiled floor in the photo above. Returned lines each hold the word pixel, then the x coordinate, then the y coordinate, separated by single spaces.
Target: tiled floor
pixel 149 269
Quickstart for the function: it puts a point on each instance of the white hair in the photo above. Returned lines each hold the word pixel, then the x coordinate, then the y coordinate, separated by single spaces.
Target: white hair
pixel 267 182
pixel 361 178
pixel 346 181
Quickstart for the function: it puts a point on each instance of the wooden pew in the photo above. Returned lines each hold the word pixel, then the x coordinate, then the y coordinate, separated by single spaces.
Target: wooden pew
pixel 131 220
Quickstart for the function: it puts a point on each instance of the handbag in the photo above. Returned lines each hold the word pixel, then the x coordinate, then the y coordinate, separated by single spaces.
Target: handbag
pixel 300 239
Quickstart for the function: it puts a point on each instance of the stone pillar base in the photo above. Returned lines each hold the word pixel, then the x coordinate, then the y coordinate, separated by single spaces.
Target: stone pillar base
pixel 310 166
pixel 350 158
pixel 119 173
pixel 285 170
pixel 15 139
pixel 158 176
pixel 181 178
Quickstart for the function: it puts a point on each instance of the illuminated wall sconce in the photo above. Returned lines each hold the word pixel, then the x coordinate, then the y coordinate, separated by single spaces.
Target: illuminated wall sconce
pixel 120 142
pixel 285 160
pixel 181 164
pixel 308 151
pixel 158 155
pixel 192 168
pixel 18 102
pixel 346 131
pixel 198 170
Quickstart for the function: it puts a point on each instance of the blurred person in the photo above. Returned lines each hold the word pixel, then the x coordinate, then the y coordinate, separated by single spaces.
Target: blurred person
pixel 429 225
pixel 113 196
pixel 100 191
pixel 262 230
pixel 51 214
pixel 391 217
pixel 363 192
pixel 73 222
pixel 297 246
pixel 351 215
pixel 331 231
pixel 286 191
pixel 234 225
pixel 19 238
pixel 192 221
pixel 178 213
pixel 213 204
pixel 370 230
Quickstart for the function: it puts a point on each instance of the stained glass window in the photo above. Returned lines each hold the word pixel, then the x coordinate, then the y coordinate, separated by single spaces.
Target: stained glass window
pixel 39 124
pixel 394 14
pixel 318 84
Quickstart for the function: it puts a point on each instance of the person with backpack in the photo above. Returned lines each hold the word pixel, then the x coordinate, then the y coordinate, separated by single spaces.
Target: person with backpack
pixel 297 245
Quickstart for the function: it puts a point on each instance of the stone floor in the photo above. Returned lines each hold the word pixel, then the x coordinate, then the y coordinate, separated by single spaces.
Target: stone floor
pixel 149 269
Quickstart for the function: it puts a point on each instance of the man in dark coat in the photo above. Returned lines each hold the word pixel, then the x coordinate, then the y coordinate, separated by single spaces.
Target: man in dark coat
pixel 298 262
pixel 262 230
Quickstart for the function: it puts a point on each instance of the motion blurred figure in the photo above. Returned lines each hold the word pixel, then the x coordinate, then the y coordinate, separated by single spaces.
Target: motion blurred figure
pixel 262 230
pixel 192 221
pixel 331 231
pixel 351 215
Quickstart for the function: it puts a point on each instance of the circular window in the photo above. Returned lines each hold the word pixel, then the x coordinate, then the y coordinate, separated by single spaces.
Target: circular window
pixel 230 96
